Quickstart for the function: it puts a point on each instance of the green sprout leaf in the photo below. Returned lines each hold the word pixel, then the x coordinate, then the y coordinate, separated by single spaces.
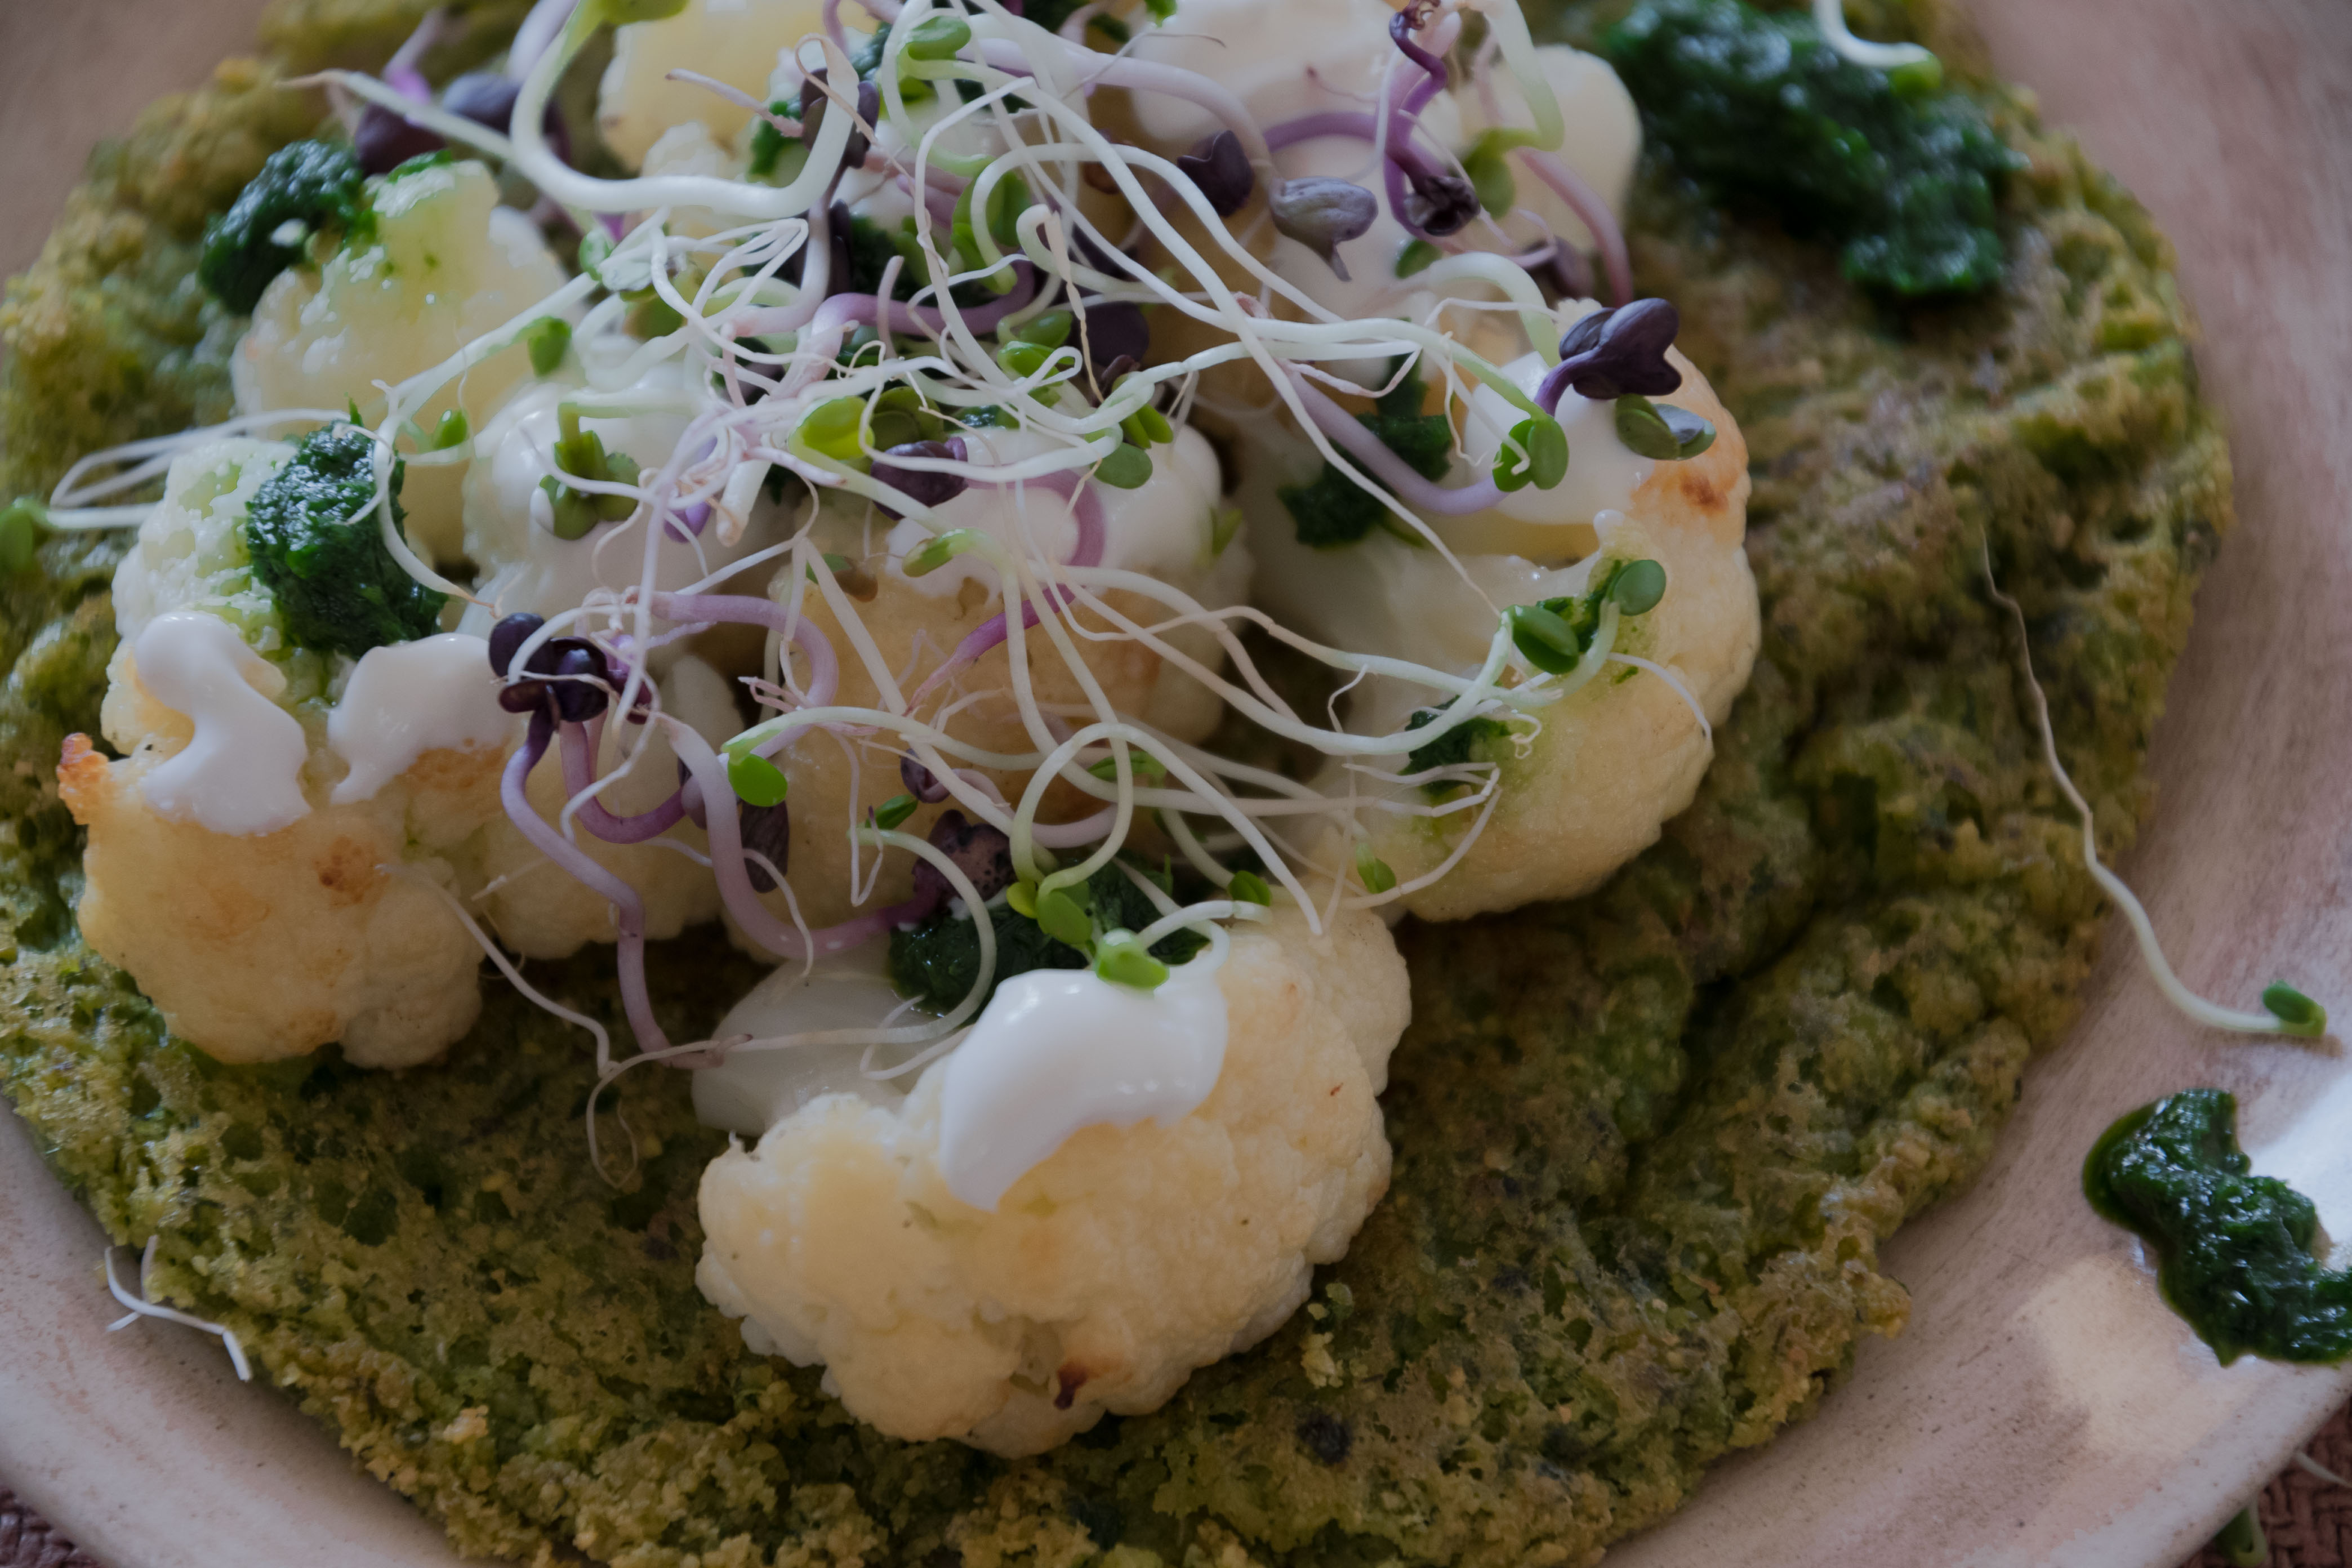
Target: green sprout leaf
pixel 1543 638
pixel 452 430
pixel 891 813
pixel 2296 1012
pixel 1661 430
pixel 1022 898
pixel 937 552
pixel 1050 331
pixel 1249 887
pixel 1163 11
pixel 831 429
pixel 1490 171
pixel 1637 586
pixel 757 781
pixel 1063 917
pixel 549 339
pixel 1545 445
pixel 938 37
pixel 1143 764
pixel 1123 961
pixel 1416 257
pixel 1373 871
pixel 1023 358
pixel 1224 524
pixel 1128 468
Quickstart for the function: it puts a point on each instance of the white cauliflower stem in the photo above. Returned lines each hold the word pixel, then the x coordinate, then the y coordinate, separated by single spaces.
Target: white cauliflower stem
pixel 1111 1270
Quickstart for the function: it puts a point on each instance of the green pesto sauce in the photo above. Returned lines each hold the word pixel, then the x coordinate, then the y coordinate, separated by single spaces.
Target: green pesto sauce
pixel 1648 1143
pixel 1758 107
pixel 2233 1249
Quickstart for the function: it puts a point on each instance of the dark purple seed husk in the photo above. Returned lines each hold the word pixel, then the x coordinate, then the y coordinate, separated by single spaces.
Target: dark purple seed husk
pixel 981 852
pixel 384 141
pixel 920 781
pixel 523 696
pixel 930 487
pixel 1116 332
pixel 486 97
pixel 1222 171
pixel 508 636
pixel 1623 351
pixel 1322 213
pixel 1440 204
pixel 577 699
pixel 767 830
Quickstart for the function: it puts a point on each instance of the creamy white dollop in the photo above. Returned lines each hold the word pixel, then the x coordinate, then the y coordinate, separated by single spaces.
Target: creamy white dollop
pixel 1060 1050
pixel 241 774
pixel 752 1090
pixel 407 699
pixel 1163 527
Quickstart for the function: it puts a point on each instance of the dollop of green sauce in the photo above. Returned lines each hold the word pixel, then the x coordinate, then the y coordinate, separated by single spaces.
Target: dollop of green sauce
pixel 2234 1249
pixel 311 532
pixel 309 185
pixel 1758 107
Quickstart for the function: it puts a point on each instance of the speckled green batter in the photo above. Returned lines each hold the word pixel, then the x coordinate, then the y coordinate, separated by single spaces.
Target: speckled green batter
pixel 1648 1143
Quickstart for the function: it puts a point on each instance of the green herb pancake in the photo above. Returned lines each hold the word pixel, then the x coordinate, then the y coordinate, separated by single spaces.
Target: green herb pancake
pixel 1648 1143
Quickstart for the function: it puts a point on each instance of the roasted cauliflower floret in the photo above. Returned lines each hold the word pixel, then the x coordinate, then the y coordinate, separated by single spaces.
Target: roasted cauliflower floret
pixel 537 908
pixel 223 872
pixel 733 41
pixel 1589 785
pixel 447 264
pixel 1109 1272
pixel 1165 529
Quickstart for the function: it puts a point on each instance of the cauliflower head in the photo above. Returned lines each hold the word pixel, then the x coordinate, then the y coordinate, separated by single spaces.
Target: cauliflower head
pixel 1112 1269
pixel 258 945
pixel 733 41
pixel 536 906
pixel 447 263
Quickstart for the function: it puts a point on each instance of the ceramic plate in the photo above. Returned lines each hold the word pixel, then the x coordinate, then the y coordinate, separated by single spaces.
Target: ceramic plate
pixel 2044 1407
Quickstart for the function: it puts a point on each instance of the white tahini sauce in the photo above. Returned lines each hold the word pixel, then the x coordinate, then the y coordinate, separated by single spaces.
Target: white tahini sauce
pixel 242 773
pixel 1059 1050
pixel 407 699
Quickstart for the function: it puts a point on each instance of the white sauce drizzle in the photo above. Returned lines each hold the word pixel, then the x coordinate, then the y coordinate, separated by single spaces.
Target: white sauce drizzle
pixel 407 699
pixel 1061 1049
pixel 242 773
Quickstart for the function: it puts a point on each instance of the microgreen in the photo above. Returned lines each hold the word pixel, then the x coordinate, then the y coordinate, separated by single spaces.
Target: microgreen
pixel 1661 430
pixel 1120 959
pixel 1373 871
pixel 1249 887
pixel 1543 638
pixel 1062 915
pixel 1417 258
pixel 1221 169
pixel 938 551
pixel 757 781
pixel 451 430
pixel 1545 464
pixel 1322 213
pixel 1128 467
pixel 894 812
pixel 548 339
pixel 2296 1012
